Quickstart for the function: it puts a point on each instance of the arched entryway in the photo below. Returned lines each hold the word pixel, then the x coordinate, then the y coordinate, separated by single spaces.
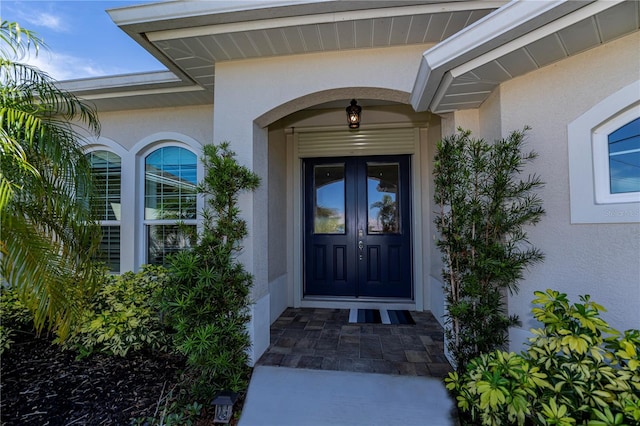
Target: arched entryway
pixel 391 140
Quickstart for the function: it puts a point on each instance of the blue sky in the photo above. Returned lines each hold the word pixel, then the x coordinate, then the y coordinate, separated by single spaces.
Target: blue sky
pixel 82 39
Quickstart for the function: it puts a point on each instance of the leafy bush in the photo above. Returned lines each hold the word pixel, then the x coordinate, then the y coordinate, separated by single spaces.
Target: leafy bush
pixel 484 208
pixel 170 411
pixel 6 341
pixel 576 370
pixel 14 317
pixel 207 299
pixel 123 315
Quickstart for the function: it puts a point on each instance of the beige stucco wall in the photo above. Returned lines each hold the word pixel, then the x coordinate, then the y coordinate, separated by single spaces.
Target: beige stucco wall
pixel 277 203
pixel 490 119
pixel 602 260
pixel 432 271
pixel 130 127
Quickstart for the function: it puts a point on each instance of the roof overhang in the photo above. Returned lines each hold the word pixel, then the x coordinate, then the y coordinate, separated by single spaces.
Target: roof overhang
pixel 522 36
pixel 190 37
pixel 138 91
pixel 478 44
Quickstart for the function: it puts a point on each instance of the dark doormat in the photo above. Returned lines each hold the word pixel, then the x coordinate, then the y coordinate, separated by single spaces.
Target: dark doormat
pixel 400 317
pixel 365 316
pixel 380 316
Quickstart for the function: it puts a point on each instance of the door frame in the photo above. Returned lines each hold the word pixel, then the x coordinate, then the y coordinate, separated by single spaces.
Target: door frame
pixel 295 199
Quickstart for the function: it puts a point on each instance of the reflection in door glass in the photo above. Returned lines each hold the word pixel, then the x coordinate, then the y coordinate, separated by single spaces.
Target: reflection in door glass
pixel 382 196
pixel 328 181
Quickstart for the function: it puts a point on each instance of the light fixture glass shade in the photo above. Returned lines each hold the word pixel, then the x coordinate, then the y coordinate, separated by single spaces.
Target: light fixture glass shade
pixel 223 413
pixel 223 402
pixel 353 114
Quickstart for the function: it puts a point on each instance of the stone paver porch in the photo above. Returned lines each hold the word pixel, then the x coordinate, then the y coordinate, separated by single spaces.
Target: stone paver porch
pixel 323 339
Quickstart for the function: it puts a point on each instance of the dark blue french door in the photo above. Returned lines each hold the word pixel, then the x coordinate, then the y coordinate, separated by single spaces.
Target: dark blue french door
pixel 357 227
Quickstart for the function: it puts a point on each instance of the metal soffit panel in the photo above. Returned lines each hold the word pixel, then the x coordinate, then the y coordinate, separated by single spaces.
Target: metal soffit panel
pixel 197 55
pixel 470 89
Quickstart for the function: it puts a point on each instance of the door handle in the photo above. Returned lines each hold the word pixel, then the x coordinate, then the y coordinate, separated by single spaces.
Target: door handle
pixel 361 248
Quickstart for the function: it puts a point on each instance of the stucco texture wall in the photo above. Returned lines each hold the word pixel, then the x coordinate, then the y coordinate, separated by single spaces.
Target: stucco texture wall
pixel 602 260
pixel 130 127
pixel 277 204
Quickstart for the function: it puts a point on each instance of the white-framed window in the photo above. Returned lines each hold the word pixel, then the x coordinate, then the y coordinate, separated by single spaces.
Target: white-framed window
pixel 616 146
pixel 170 201
pixel 106 173
pixel 604 160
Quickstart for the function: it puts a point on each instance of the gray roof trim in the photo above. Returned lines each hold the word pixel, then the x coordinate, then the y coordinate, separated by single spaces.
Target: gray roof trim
pixel 137 91
pixel 118 83
pixel 505 24
pixel 462 71
pixel 397 9
pixel 186 14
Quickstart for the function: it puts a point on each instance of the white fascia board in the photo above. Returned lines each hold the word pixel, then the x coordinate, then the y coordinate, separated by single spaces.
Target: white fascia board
pixel 130 85
pixel 322 18
pixel 143 92
pixel 137 14
pixel 499 27
pixel 124 80
pixel 537 34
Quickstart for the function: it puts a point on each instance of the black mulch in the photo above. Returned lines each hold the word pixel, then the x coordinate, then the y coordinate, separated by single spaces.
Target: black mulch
pixel 42 385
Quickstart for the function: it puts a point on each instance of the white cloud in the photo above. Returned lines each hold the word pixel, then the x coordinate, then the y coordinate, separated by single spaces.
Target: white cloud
pixel 66 67
pixel 38 15
pixel 47 20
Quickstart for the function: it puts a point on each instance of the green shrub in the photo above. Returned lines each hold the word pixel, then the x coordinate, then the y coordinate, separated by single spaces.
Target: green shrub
pixel 171 411
pixel 576 370
pixel 123 315
pixel 6 335
pixel 207 299
pixel 485 206
pixel 14 317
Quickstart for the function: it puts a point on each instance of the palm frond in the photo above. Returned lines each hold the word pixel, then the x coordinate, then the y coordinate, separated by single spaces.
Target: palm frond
pixel 47 236
pixel 18 41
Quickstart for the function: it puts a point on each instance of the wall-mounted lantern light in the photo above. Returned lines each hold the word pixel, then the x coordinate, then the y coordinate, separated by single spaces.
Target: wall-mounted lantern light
pixel 224 406
pixel 353 114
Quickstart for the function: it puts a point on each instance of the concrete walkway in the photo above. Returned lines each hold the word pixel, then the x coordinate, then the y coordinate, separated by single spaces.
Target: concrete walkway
pixel 280 396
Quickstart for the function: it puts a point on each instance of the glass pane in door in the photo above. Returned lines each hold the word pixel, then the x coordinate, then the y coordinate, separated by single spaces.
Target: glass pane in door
pixel 329 204
pixel 382 198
